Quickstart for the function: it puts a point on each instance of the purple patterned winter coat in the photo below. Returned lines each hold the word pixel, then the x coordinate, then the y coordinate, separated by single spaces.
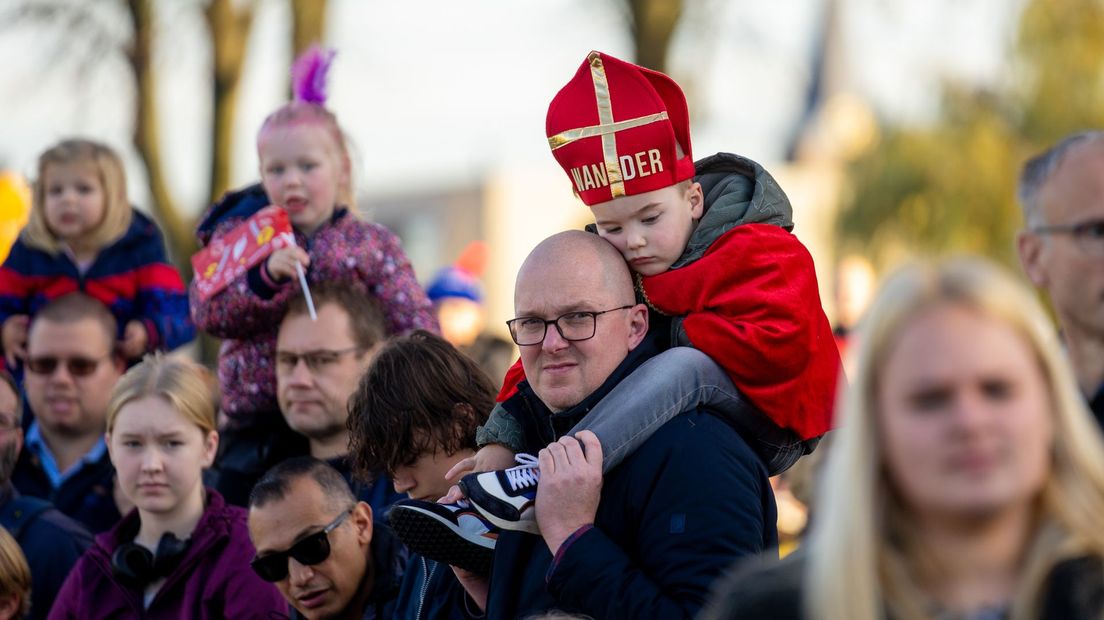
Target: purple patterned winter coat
pixel 246 314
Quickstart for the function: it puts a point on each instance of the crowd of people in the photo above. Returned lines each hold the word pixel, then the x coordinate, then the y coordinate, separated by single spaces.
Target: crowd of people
pixel 345 461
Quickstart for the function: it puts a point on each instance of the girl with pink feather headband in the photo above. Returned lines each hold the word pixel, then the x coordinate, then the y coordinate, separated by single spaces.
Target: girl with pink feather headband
pixel 305 169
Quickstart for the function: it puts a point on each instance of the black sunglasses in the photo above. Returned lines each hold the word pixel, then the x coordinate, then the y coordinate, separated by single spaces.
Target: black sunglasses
pixel 309 551
pixel 77 366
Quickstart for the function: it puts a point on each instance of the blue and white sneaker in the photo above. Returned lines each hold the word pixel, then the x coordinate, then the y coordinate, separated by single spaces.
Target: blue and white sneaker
pixel 507 498
pixel 453 534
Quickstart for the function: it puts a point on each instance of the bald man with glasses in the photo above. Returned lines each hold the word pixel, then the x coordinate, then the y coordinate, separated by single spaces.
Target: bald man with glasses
pixel 1062 249
pixel 647 539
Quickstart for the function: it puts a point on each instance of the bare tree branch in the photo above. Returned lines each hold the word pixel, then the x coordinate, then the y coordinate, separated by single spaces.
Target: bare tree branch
pixel 229 29
pixel 308 24
pixel 147 135
pixel 653 24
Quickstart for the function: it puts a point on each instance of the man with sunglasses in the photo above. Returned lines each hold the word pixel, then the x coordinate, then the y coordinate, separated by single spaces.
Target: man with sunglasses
pixel 1062 248
pixel 70 371
pixel 319 546
pixel 51 541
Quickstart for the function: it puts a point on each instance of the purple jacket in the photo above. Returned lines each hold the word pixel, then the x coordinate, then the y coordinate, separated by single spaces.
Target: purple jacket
pixel 213 579
pixel 247 313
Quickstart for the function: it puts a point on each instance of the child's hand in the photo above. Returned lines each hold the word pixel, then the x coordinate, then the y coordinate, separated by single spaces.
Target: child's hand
pixel 281 264
pixel 14 337
pixel 490 457
pixel 135 340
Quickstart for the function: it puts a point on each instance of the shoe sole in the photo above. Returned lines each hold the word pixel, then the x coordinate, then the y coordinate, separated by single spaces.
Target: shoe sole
pixel 424 533
pixel 529 526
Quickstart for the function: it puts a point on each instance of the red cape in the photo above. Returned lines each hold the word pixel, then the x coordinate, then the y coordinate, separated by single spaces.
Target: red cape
pixel 752 304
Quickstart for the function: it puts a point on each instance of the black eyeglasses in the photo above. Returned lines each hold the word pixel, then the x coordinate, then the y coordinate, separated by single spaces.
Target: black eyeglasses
pixel 308 551
pixel 77 366
pixel 1088 235
pixel 286 361
pixel 573 326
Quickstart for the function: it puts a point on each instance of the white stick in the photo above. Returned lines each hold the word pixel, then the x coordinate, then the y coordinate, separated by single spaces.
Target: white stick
pixel 306 291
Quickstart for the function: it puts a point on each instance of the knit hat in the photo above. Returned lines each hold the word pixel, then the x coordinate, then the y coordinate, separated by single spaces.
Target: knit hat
pixel 614 129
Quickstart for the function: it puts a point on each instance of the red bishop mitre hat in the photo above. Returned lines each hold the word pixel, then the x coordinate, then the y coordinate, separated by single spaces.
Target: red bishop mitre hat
pixel 613 128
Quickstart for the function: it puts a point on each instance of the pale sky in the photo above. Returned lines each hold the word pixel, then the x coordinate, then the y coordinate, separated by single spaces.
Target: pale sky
pixel 436 96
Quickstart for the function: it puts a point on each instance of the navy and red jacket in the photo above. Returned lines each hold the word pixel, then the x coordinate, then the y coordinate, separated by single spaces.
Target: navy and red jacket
pixel 132 277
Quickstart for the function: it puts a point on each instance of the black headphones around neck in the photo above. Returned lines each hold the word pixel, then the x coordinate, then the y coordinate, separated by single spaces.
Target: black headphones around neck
pixel 136 564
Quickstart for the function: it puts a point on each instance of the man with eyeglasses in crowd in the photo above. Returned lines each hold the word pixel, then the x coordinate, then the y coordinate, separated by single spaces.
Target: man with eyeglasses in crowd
pixel 70 371
pixel 320 547
pixel 318 363
pixel 1062 249
pixel 318 366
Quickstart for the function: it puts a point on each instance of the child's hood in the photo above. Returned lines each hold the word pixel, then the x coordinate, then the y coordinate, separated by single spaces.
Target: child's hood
pixel 737 191
pixel 237 204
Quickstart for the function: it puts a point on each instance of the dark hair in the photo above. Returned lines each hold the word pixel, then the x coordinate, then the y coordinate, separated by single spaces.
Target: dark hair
pixel 275 484
pixel 1038 170
pixel 420 394
pixel 366 320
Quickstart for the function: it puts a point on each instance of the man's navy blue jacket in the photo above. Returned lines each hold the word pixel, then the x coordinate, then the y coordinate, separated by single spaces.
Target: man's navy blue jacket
pixel 672 518
pixel 87 496
pixel 51 542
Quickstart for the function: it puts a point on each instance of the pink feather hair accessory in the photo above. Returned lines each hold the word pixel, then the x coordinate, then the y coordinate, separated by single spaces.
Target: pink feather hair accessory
pixel 308 74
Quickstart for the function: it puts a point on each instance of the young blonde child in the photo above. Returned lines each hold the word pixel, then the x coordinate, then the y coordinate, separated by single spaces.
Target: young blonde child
pixel 305 169
pixel 181 552
pixel 83 235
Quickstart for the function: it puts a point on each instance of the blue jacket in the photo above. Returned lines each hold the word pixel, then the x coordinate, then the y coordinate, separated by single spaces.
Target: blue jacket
pixel 430 591
pixel 51 542
pixel 87 496
pixel 132 277
pixel 673 516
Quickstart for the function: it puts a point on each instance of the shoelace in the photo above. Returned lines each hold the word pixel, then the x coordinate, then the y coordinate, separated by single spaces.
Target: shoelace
pixel 526 474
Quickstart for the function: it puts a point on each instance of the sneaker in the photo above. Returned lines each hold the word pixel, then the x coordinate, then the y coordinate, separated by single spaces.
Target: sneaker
pixel 452 534
pixel 507 498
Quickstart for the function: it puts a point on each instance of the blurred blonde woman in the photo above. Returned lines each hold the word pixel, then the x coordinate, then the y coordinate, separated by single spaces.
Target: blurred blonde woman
pixel 966 480
pixel 15 579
